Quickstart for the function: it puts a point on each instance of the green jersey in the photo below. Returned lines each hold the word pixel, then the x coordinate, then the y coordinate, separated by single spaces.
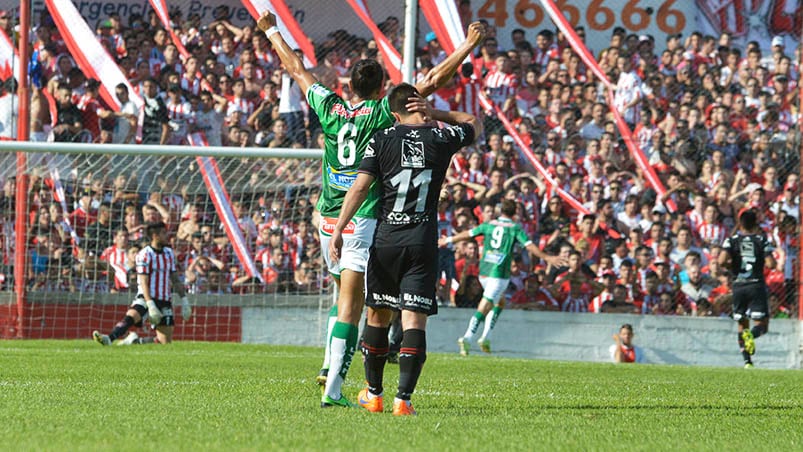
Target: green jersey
pixel 499 237
pixel 347 130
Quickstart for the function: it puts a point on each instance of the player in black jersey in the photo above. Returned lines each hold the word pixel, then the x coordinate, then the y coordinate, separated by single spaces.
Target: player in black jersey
pixel 744 254
pixel 408 163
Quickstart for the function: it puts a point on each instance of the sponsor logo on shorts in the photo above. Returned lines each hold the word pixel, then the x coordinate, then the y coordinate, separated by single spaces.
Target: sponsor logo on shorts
pixel 384 298
pixel 418 301
pixel 328 226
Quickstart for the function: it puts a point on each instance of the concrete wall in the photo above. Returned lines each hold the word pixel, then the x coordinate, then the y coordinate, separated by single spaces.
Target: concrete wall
pixel 562 336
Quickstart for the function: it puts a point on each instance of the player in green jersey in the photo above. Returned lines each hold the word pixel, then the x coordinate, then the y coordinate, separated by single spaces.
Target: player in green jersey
pixel 499 236
pixel 347 127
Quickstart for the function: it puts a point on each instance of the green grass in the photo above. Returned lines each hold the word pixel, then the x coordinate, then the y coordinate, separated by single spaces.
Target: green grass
pixel 69 395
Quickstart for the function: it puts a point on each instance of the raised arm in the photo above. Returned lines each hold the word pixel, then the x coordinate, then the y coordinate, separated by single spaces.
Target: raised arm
pixel 292 62
pixel 443 72
pixel 459 237
pixel 458 117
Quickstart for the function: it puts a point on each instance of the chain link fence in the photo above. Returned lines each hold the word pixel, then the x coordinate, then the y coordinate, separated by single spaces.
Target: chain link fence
pixel 713 104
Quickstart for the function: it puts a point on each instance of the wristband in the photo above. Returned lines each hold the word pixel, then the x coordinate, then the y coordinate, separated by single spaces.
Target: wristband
pixel 449 239
pixel 271 31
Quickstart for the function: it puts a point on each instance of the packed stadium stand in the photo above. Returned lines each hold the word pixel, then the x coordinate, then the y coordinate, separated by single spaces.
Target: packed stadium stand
pixel 716 121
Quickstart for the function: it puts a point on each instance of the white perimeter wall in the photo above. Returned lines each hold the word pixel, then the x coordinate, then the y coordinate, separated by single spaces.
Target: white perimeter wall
pixel 561 336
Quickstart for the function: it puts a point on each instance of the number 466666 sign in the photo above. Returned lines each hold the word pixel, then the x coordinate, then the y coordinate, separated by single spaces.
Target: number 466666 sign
pixel 596 15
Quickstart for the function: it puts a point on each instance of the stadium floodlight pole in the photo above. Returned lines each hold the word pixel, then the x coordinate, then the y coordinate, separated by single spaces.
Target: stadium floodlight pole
pixel 156 149
pixel 21 196
pixel 410 23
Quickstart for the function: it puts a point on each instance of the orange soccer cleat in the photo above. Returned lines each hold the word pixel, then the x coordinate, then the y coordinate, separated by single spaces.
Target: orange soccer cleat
pixel 403 408
pixel 370 402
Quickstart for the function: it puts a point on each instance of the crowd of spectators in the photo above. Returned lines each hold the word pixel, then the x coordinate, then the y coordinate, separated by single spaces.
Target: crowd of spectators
pixel 716 121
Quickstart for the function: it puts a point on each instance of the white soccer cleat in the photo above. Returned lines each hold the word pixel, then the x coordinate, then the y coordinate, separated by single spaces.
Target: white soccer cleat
pixel 130 339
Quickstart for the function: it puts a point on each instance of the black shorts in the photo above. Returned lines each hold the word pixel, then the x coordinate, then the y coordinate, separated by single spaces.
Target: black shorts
pixel 750 300
pixel 165 306
pixel 402 278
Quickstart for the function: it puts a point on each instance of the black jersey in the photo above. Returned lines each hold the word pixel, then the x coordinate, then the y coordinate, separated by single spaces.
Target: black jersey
pixel 409 164
pixel 747 252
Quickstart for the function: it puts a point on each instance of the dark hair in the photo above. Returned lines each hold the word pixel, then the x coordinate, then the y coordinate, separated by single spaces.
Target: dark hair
pixel 627 327
pixel 366 78
pixel 398 97
pixel 154 228
pixel 508 207
pixel 748 219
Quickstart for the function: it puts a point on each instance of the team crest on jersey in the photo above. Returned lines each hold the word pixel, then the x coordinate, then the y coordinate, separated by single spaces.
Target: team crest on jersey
pixel 369 150
pixel 412 154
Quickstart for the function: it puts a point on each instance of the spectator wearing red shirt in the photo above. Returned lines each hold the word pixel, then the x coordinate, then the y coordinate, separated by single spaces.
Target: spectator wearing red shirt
pixel 585 232
pixel 533 297
pixel 469 262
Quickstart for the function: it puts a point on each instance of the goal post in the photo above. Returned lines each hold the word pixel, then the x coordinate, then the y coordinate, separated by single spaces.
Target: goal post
pixel 87 208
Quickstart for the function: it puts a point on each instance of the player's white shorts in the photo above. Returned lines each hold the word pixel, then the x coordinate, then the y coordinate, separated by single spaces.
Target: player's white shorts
pixel 357 239
pixel 493 288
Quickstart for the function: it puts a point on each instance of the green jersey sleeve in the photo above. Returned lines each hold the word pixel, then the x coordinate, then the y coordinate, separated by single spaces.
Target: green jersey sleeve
pixel 479 230
pixel 521 236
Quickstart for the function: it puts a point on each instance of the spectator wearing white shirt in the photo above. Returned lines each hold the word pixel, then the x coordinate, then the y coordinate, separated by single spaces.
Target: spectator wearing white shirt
pixel 628 92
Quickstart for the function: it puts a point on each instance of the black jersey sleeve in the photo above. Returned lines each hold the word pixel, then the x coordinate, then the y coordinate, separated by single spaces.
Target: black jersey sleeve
pixel 369 163
pixel 456 136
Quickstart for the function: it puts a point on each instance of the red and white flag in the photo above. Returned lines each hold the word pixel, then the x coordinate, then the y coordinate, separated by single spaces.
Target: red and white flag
pixel 58 195
pixel 445 21
pixel 9 58
pixel 87 51
pixel 391 56
pixel 220 198
pixel 579 47
pixel 574 40
pixel 160 7
pixel 290 29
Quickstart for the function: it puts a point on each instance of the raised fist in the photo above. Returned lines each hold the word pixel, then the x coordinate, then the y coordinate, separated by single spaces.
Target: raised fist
pixel 266 20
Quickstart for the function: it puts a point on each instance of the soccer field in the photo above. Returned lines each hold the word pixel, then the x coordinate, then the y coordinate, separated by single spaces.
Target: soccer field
pixel 70 395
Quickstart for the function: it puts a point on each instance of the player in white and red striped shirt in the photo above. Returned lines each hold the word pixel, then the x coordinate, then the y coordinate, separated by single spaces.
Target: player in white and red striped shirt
pixel 710 231
pixel 545 49
pixel 501 83
pixel 468 100
pixel 190 81
pixel 116 257
pixel 180 115
pixel 156 279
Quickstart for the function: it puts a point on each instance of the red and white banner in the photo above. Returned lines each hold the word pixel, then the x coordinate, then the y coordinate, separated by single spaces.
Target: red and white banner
pixel 160 7
pixel 58 195
pixel 220 198
pixel 577 44
pixel 87 51
pixel 9 58
pixel 551 182
pixel 444 19
pixel 581 50
pixel 391 56
pixel 291 31
pixel 450 33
